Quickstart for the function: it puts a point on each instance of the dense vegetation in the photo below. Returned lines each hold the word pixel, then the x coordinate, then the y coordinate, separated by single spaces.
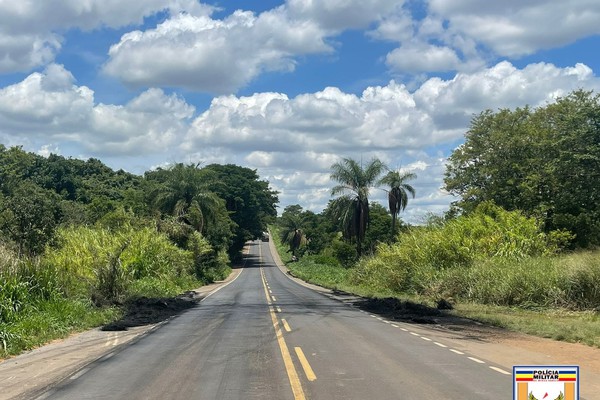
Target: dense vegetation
pixel 529 188
pixel 79 240
pixel 544 162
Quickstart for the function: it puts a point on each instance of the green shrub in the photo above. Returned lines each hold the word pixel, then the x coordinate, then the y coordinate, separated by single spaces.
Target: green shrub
pixel 101 263
pixel 582 280
pixel 483 256
pixel 530 283
pixel 344 252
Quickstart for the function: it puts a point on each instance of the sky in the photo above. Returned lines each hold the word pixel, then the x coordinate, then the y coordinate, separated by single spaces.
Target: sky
pixel 283 87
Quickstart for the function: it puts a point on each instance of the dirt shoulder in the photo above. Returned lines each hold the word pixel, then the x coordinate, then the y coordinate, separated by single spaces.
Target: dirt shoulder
pixel 30 374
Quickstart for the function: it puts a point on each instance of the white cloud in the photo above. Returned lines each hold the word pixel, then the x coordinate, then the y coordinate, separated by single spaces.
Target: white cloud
pixel 338 15
pixel 419 57
pixel 465 35
pixel 49 106
pixel 220 56
pixel 291 141
pixel 223 55
pixel 30 30
pixel 515 27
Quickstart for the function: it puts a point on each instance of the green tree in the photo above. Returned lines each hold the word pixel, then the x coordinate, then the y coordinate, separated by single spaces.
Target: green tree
pixel 29 217
pixel 184 193
pixel 544 162
pixel 378 230
pixel 398 192
pixel 351 208
pixel 248 199
pixel 291 226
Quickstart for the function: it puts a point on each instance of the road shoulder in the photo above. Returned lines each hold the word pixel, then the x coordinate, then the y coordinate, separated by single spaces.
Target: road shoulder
pixel 28 375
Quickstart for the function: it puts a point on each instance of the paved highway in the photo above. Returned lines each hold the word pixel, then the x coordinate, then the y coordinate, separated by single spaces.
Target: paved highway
pixel 264 336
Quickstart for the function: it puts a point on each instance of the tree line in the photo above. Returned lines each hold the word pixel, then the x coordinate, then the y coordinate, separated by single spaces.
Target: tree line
pixel 350 225
pixel 226 204
pixel 544 162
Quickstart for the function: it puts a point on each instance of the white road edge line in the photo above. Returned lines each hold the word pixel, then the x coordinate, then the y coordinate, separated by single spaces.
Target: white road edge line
pixel 225 285
pixel 500 370
pixel 456 351
pixel 395 326
pixel 414 333
pixel 425 338
pixel 440 344
pixel 477 360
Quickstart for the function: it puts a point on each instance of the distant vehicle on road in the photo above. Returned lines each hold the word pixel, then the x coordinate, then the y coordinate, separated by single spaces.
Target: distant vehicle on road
pixel 265 237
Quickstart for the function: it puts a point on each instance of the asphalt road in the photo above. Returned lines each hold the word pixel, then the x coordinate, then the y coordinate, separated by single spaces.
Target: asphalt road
pixel 264 336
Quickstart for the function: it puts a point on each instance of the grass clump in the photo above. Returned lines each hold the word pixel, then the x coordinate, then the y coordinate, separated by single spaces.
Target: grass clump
pixel 33 308
pixel 89 275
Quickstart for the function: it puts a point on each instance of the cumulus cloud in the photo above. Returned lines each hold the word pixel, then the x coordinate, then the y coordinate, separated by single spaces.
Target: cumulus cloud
pixel 421 57
pixel 49 106
pixel 294 141
pixel 218 56
pixel 222 55
pixel 291 141
pixel 514 28
pixel 29 29
pixel 338 15
pixel 464 35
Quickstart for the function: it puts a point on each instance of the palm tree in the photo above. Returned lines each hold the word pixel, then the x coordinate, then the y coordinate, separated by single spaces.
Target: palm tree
pixel 184 194
pixel 352 207
pixel 398 193
pixel 292 232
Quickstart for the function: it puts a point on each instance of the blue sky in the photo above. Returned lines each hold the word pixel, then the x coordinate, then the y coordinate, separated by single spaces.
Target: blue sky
pixel 283 87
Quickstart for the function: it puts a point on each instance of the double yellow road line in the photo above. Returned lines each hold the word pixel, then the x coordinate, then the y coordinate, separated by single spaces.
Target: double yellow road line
pixel 285 353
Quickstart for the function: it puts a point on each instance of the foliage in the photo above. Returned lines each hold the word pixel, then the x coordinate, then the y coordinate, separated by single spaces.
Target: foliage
pixel 544 162
pixel 398 193
pixel 101 264
pixel 29 217
pixel 33 308
pixel 291 230
pixel 76 235
pixel 423 254
pixel 249 201
pixel 343 252
pixel 184 193
pixel 351 209
pixel 378 230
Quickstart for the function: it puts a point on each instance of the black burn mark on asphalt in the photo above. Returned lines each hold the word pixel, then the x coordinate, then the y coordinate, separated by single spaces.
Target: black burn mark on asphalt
pixel 146 311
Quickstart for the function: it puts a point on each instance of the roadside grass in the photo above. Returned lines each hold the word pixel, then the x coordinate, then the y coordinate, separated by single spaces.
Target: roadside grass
pixel 44 321
pixel 558 324
pixel 548 319
pixel 86 280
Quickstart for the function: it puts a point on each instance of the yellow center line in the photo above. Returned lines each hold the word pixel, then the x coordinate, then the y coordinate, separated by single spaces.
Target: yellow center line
pixel 285 325
pixel 310 375
pixel 285 353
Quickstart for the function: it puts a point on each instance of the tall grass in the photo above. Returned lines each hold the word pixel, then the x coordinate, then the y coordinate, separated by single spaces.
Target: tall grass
pixel 103 264
pixel 77 284
pixel 490 257
pixel 33 308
